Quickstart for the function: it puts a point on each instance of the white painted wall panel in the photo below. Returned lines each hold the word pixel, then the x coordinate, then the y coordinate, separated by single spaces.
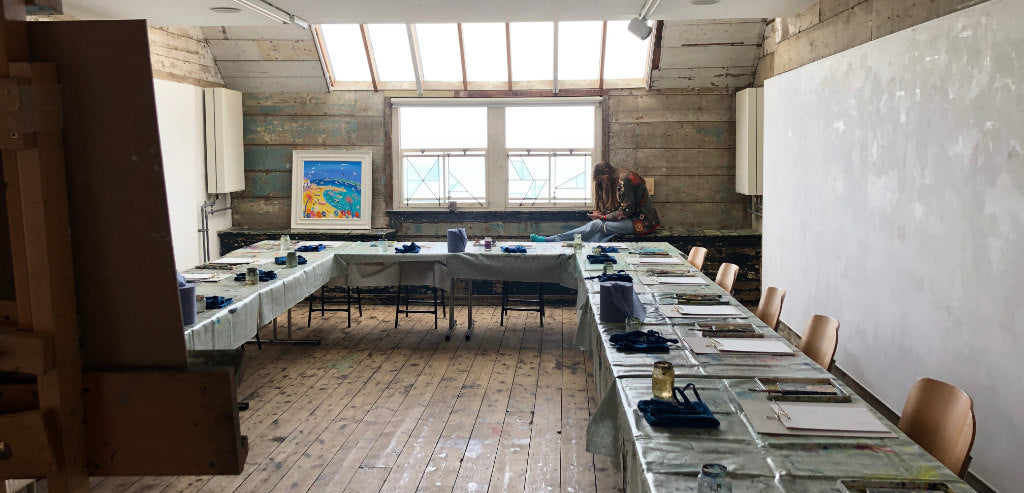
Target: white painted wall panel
pixel 894 201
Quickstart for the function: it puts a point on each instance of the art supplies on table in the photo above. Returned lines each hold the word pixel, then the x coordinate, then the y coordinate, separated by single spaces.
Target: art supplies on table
pixel 235 261
pixel 262 275
pixel 678 413
pixel 207 276
pixel 796 389
pixel 813 419
pixel 727 330
pixel 638 341
pixel 700 299
pixel 655 260
pixel 650 251
pixel 700 311
pixel 677 279
pixel 897 486
pixel 326 244
pixel 711 345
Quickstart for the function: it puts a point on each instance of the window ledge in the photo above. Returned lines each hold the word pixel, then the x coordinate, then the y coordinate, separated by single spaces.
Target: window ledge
pixel 556 215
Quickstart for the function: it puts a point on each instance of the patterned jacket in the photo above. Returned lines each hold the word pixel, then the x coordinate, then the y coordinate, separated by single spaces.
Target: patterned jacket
pixel 635 204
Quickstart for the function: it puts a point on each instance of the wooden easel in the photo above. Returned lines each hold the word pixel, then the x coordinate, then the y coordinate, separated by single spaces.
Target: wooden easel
pixel 95 377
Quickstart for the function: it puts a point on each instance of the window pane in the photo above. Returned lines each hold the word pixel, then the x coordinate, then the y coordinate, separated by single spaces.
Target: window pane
pixel 579 50
pixel 467 181
pixel 345 52
pixel 390 43
pixel 532 50
pixel 422 179
pixel 547 127
pixel 625 54
pixel 571 179
pixel 528 178
pixel 456 127
pixel 485 51
pixel 439 52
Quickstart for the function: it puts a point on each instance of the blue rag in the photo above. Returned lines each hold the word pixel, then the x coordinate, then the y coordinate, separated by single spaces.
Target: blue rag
pixel 691 414
pixel 601 259
pixel 615 276
pixel 311 248
pixel 284 260
pixel 641 342
pixel 514 249
pixel 608 249
pixel 410 248
pixel 265 275
pixel 217 302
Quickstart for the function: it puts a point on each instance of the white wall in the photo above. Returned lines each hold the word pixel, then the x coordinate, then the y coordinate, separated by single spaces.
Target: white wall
pixel 894 201
pixel 179 109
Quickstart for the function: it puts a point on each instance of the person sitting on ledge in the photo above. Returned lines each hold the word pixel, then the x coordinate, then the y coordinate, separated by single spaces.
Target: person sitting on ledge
pixel 623 207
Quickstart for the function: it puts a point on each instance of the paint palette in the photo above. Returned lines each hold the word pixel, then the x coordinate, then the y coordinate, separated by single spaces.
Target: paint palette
pixel 802 389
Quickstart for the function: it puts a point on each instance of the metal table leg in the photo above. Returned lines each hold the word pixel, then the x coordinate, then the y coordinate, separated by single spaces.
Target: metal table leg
pixel 289 339
pixel 451 310
pixel 469 309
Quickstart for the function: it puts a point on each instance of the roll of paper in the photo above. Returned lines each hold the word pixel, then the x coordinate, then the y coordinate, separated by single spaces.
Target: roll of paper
pixel 187 296
pixel 457 240
pixel 619 302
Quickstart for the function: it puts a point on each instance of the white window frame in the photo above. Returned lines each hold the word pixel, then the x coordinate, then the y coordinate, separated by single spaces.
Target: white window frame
pixel 496 156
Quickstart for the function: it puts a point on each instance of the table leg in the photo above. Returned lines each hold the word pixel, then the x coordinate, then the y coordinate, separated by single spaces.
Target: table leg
pixel 469 309
pixel 451 309
pixel 289 339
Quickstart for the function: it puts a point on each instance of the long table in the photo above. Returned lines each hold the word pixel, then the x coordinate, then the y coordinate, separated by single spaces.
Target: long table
pixel 652 459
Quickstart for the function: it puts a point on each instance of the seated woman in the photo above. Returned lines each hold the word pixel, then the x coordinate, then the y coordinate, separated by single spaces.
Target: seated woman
pixel 623 207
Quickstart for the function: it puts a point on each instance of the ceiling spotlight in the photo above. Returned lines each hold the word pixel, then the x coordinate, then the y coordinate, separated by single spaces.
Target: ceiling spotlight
pixel 638 25
pixel 226 10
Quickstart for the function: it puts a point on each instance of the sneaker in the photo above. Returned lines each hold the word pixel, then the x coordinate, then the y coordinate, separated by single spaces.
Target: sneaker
pixel 534 237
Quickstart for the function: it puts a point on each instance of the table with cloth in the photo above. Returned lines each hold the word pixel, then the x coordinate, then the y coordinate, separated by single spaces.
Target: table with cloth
pixel 653 458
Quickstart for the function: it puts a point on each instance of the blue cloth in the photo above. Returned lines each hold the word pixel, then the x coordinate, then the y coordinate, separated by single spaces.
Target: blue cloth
pixel 642 342
pixel 284 260
pixel 514 249
pixel 311 248
pixel 217 302
pixel 601 259
pixel 265 275
pixel 608 249
pixel 410 248
pixel 615 276
pixel 691 414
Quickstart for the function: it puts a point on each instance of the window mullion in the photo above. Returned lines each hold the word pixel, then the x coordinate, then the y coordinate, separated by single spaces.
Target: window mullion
pixel 496 162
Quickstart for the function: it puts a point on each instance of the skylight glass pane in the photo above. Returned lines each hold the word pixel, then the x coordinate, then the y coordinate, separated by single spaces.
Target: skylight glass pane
pixel 454 127
pixel 439 51
pixel 533 46
pixel 625 54
pixel 345 52
pixel 549 127
pixel 579 50
pixel 485 51
pixel 390 44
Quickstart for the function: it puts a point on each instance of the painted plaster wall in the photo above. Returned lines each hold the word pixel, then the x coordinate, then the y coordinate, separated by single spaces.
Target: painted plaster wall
pixel 894 201
pixel 179 110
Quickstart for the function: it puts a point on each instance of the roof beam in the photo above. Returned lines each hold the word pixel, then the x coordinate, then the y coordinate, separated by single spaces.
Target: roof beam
pixel 369 55
pixel 414 51
pixel 462 57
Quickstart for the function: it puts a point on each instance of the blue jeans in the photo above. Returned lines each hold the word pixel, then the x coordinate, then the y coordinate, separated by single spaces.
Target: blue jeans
pixel 596 231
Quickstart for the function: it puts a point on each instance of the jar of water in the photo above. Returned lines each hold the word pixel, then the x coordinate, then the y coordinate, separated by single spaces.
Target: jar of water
pixel 663 377
pixel 714 478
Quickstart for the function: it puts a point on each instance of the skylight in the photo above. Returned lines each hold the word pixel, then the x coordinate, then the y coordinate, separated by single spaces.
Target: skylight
pixel 544 55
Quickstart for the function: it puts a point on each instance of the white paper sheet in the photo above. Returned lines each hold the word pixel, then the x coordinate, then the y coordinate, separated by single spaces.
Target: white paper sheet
pixel 735 345
pixel 832 417
pixel 673 311
pixel 654 260
pixel 705 310
pixel 197 276
pixel 680 280
pixel 235 260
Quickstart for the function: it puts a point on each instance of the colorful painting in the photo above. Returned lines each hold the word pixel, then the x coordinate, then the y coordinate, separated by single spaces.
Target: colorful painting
pixel 331 189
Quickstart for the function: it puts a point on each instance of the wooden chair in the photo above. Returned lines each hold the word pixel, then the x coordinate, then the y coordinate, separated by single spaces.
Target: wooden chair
pixel 940 418
pixel 820 340
pixel 696 257
pixel 770 306
pixel 522 304
pixel 727 276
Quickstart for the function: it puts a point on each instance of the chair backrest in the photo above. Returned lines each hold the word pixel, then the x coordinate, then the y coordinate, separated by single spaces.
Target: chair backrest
pixel 940 418
pixel 696 257
pixel 820 340
pixel 727 276
pixel 770 306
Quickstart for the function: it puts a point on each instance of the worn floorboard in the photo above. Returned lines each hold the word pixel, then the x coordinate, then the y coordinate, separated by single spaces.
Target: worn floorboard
pixel 379 408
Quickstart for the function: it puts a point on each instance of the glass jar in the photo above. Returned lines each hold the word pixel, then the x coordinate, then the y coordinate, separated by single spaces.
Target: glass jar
pixel 577 242
pixel 663 377
pixel 609 268
pixel 634 323
pixel 291 259
pixel 286 243
pixel 714 478
pixel 252 276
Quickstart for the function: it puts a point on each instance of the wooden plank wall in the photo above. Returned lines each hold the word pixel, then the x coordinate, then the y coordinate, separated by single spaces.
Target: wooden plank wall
pixel 181 54
pixel 275 124
pixel 708 53
pixel 256 59
pixel 685 140
pixel 832 26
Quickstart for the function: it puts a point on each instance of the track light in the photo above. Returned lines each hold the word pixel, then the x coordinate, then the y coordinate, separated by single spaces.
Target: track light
pixel 271 12
pixel 638 25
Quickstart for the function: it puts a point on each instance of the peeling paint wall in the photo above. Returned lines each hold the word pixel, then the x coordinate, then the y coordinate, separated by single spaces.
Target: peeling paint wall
pixel 894 201
pixel 832 26
pixel 181 54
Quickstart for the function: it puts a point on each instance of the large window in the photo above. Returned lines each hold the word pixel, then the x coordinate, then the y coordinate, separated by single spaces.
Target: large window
pixel 495 154
pixel 484 56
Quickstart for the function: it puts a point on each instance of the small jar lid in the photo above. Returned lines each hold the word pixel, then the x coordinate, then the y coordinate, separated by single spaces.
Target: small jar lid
pixel 714 470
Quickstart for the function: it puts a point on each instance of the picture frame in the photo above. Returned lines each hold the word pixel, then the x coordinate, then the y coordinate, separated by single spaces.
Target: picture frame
pixel 331 189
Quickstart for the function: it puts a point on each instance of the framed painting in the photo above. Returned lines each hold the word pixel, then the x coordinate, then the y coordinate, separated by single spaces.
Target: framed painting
pixel 331 189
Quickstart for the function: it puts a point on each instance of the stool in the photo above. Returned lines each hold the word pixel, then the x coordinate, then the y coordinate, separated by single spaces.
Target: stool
pixel 324 300
pixel 410 300
pixel 505 300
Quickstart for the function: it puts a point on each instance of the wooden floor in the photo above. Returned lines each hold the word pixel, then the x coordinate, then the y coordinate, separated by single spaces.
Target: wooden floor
pixel 375 408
